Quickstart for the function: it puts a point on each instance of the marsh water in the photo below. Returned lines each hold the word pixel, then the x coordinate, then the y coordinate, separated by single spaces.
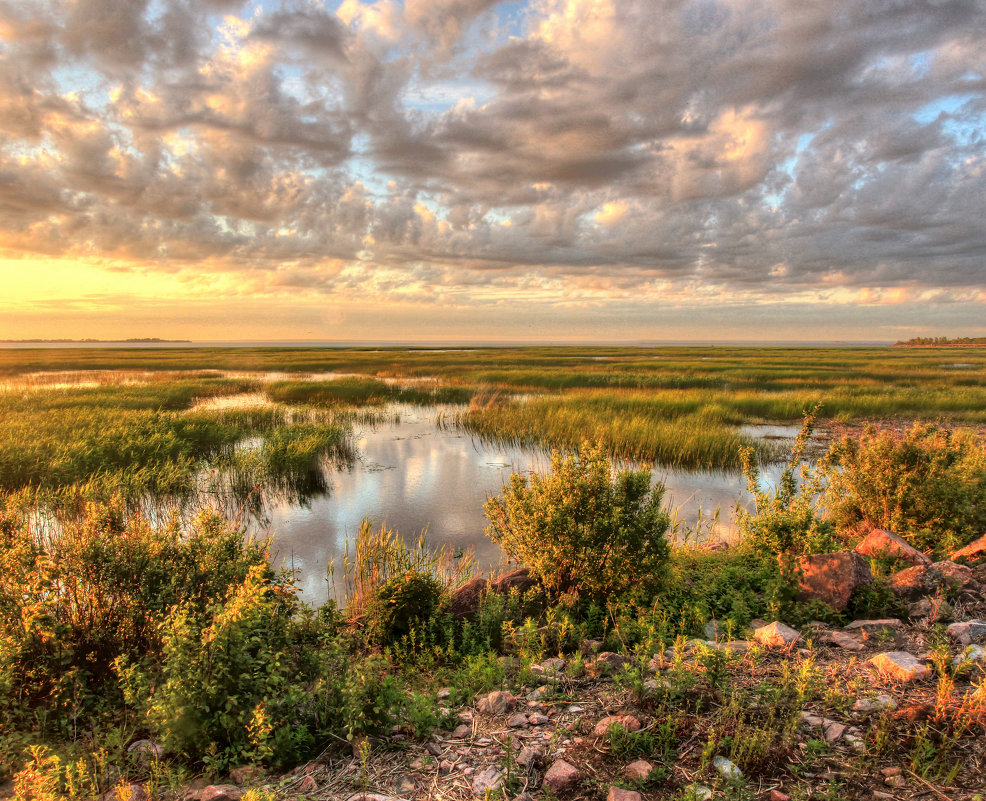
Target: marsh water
pixel 418 477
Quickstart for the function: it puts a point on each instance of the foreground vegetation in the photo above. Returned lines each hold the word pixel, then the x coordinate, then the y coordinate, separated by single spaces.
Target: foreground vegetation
pixel 127 617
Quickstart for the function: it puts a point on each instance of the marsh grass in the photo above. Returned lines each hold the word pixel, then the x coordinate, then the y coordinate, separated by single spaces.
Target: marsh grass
pixel 376 555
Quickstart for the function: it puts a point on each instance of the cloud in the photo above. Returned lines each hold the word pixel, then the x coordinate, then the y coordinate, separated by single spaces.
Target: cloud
pixel 574 148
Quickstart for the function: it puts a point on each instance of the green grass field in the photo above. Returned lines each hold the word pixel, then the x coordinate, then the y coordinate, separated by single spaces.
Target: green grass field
pixel 673 405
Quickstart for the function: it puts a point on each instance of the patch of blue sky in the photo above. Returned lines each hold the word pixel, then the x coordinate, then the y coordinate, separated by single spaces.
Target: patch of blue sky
pixel 362 168
pixel 442 95
pixel 87 84
pixel 512 17
pixel 948 104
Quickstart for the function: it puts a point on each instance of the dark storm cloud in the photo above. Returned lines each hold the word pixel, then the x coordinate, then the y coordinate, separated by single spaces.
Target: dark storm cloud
pixel 766 146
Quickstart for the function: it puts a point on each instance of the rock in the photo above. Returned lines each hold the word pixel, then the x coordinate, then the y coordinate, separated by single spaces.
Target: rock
pixel 885 543
pixel 727 769
pixel 308 785
pixel 638 771
pixel 699 792
pixel 711 630
pixel 444 694
pixel 971 653
pixel 776 635
pixel 873 626
pixel 247 774
pixel 461 731
pixel 900 665
pixel 628 722
pixel 465 599
pixel 561 776
pixel 529 755
pixel 220 792
pixel 831 730
pixel 969 632
pixel 895 781
pixel 146 750
pixel 537 719
pixel 916 582
pixel 832 577
pixel 497 703
pixel 518 721
pixel 619 794
pixel 842 640
pixel 608 663
pixel 445 767
pixel 957 576
pixel 519 579
pixel 777 795
pixel 929 609
pixel 553 665
pixel 733 646
pixel 972 552
pixel 489 781
pixel 590 647
pixel 878 704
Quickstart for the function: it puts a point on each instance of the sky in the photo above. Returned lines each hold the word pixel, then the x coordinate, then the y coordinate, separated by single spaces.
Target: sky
pixel 473 170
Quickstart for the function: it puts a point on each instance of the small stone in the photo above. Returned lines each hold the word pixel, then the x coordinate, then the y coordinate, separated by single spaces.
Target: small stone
pixel 873 626
pixel 529 755
pixel 445 767
pixel 639 770
pixel 969 632
pixel 895 781
pixel 711 630
pixel 973 551
pixel 776 635
pixel 308 785
pixel 247 774
pixel 832 577
pixel 553 665
pixel 146 749
pixel 832 730
pixel 628 722
pixel 880 796
pixel 518 721
pixel 444 693
pixel 888 772
pixel 608 663
pixel 561 776
pixel 575 709
pixel 777 795
pixel 465 716
pixel 932 610
pixel 135 792
pixel 877 704
pixel 972 653
pixel 434 749
pixel 461 732
pixel 700 792
pixel 490 780
pixel 537 719
pixel 842 640
pixel 619 794
pixel 900 665
pixel 497 703
pixel 727 769
pixel 221 792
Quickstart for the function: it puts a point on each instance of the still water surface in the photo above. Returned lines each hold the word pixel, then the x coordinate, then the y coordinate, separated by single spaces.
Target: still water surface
pixel 417 477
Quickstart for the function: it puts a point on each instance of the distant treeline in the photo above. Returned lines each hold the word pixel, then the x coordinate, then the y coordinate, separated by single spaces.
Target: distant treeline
pixel 101 341
pixel 924 341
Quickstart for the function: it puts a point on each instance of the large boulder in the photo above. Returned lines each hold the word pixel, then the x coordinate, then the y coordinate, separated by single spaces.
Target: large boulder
pixel 832 577
pixel 972 552
pixel 465 599
pixel 880 542
pixel 922 580
pixel 519 579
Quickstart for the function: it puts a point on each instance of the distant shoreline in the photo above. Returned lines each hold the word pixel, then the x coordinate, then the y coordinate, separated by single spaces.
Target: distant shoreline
pixel 131 341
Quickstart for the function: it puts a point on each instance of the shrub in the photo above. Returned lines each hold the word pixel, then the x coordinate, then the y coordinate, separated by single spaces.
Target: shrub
pixel 928 486
pixel 787 520
pixel 405 603
pixel 580 529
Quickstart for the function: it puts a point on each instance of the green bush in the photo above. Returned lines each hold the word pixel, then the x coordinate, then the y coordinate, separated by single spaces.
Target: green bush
pixel 581 530
pixel 787 520
pixel 928 486
pixel 405 603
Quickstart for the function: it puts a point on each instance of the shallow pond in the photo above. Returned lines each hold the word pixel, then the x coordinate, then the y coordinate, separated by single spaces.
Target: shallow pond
pixel 415 477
